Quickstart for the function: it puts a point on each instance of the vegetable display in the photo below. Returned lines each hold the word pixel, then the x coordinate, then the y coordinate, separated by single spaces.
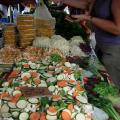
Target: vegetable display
pixel 68 100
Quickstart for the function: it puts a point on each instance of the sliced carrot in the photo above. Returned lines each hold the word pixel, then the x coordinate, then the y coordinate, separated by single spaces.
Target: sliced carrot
pixel 52 109
pixel 56 97
pixel 42 116
pixel 71 81
pixel 37 81
pixel 34 74
pixel 75 93
pixel 78 87
pixel 4 94
pixel 26 65
pixel 65 116
pixel 14 74
pixel 25 78
pixel 70 107
pixel 16 98
pixel 62 83
pixel 35 116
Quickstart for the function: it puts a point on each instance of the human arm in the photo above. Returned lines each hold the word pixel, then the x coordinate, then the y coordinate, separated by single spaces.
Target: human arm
pixel 82 4
pixel 112 27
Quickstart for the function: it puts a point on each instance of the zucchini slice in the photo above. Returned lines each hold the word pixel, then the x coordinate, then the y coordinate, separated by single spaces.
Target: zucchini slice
pixel 16 92
pixel 11 105
pixel 33 100
pixel 5 108
pixel 51 117
pixel 22 104
pixel 6 115
pixel 24 116
pixel 15 114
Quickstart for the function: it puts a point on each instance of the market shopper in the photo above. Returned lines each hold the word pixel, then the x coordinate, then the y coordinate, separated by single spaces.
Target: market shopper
pixel 106 21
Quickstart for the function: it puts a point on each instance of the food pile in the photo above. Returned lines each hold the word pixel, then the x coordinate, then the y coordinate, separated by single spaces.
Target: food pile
pixel 71 47
pixel 68 100
pixel 26 29
pixel 8 55
pixel 10 35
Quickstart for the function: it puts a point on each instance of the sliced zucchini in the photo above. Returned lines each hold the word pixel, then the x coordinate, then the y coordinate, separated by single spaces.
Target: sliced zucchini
pixel 51 79
pixel 24 116
pixel 33 100
pixel 82 99
pixel 77 108
pixel 60 77
pixel 11 105
pixel 22 104
pixel 4 108
pixel 15 114
pixel 33 65
pixel 47 75
pixel 16 92
pixel 67 64
pixel 15 110
pixel 42 67
pixel 45 62
pixel 25 74
pixel 49 117
pixel 6 115
pixel 73 115
pixel 51 88
pixel 80 116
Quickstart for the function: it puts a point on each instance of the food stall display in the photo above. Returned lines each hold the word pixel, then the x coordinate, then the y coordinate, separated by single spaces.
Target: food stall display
pixel 62 95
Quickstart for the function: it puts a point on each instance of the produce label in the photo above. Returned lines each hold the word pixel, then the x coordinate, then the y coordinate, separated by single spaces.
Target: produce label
pixel 39 91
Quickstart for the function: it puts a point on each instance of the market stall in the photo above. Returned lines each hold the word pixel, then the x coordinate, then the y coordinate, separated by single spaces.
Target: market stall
pixel 44 76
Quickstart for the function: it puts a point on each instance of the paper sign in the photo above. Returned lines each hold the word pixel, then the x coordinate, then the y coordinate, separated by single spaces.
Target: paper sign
pixel 32 92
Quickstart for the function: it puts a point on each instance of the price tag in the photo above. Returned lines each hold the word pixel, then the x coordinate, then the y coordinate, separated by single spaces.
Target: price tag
pixel 33 92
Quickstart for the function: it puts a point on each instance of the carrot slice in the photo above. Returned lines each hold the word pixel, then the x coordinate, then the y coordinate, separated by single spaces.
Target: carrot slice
pixel 42 116
pixel 71 81
pixel 56 97
pixel 70 107
pixel 75 93
pixel 14 74
pixel 52 109
pixel 62 83
pixel 78 87
pixel 37 82
pixel 25 78
pixel 34 74
pixel 35 116
pixel 26 65
pixel 3 95
pixel 65 116
pixel 16 98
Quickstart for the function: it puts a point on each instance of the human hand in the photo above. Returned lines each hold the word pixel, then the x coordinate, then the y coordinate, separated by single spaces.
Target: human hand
pixel 57 1
pixel 81 17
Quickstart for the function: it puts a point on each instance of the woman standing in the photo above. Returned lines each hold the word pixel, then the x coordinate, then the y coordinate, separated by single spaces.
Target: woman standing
pixel 106 21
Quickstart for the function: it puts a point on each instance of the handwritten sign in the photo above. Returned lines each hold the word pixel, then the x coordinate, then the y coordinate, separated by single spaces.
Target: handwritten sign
pixel 32 92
